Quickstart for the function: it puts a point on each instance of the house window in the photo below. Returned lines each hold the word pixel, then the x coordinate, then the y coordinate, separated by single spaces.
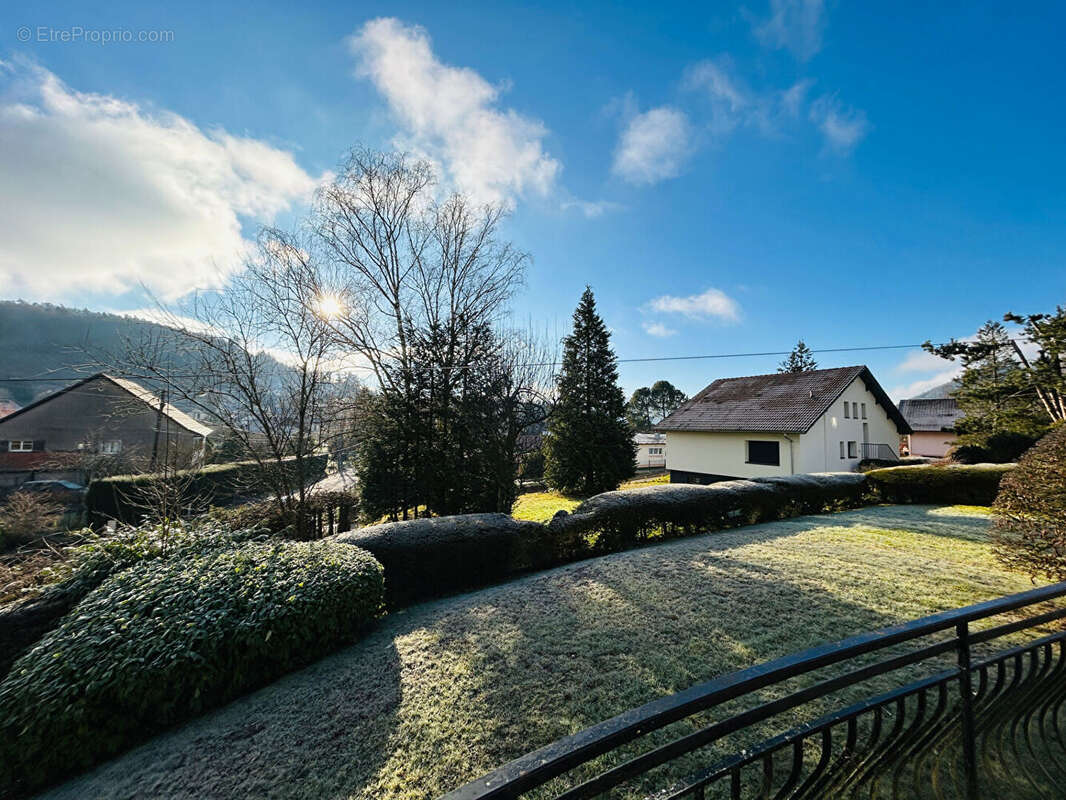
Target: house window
pixel 853 450
pixel 764 453
pixel 855 410
pixel 111 447
pixel 655 451
pixel 20 446
pixel 846 415
pixel 842 450
pixel 864 410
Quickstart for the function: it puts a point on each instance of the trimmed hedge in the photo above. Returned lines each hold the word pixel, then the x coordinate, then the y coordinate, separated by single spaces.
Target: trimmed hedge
pixel 125 497
pixel 622 519
pixel 90 564
pixel 975 484
pixel 167 639
pixel 431 557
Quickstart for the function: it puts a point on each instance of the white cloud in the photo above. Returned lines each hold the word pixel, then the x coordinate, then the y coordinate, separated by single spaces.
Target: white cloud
pixel 104 195
pixel 711 303
pixel 915 388
pixel 658 329
pixel 653 146
pixel 450 115
pixel 842 127
pixel 734 104
pixel 591 209
pixel 794 24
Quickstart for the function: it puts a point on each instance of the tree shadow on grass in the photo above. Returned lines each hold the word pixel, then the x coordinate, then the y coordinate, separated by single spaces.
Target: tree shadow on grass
pixel 445 691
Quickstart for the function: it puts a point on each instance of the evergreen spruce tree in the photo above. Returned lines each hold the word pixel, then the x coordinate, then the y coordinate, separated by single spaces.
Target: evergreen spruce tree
pixel 589 448
pixel 801 359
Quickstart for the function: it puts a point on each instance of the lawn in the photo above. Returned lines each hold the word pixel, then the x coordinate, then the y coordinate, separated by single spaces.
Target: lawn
pixel 541 506
pixel 446 690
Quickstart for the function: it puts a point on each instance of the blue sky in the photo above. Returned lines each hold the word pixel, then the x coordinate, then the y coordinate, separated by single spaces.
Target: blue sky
pixel 728 178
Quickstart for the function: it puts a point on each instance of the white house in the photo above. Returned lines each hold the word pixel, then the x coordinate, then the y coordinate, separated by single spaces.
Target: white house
pixel 826 420
pixel 933 422
pixel 651 450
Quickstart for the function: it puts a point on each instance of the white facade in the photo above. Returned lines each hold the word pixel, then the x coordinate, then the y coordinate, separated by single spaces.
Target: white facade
pixel 651 450
pixel 833 443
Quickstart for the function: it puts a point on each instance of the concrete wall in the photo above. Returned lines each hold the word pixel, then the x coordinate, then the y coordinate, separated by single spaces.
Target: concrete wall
pixel 723 454
pixel 820 446
pixel 931 443
pixel 97 411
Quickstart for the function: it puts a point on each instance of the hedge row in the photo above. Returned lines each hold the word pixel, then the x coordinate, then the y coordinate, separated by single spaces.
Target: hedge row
pixel 166 639
pixel 128 498
pixel 975 484
pixel 431 557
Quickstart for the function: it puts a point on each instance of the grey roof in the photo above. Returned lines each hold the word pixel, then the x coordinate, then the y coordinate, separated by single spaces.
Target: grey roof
pixel 649 438
pixel 176 415
pixel 934 414
pixel 785 402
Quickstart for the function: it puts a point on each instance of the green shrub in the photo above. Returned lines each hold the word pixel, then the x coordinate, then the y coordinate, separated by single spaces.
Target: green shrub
pixel 997 448
pixel 91 563
pixel 435 556
pixel 342 505
pixel 166 639
pixel 975 484
pixel 129 498
pixel 1029 533
pixel 619 520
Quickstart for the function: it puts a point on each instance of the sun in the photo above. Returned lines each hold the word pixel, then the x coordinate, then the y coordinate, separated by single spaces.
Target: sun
pixel 329 306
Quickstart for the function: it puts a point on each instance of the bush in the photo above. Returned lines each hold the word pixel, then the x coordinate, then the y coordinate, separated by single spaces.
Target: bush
pixel 24 517
pixel 1029 533
pixel 327 509
pixel 129 498
pixel 619 520
pixel 169 638
pixel 439 555
pixel 931 483
pixel 93 562
pixel 999 448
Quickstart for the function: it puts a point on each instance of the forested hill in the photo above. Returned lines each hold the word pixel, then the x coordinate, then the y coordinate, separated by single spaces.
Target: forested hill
pixel 42 340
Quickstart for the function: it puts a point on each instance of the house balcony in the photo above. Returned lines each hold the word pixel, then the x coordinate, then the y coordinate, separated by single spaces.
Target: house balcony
pixel 871 451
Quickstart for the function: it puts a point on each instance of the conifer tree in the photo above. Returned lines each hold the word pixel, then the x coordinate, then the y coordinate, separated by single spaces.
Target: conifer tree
pixel 801 359
pixel 589 448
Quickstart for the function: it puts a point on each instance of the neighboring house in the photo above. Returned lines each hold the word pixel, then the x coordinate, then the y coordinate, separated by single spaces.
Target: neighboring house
pixel 933 423
pixel 826 420
pixel 102 415
pixel 651 450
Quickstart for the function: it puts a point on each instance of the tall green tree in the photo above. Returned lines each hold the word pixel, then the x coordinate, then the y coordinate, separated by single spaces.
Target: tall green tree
pixel 801 359
pixel 1003 414
pixel 589 447
pixel 649 405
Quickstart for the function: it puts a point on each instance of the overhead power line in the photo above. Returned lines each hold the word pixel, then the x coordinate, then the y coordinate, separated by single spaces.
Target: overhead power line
pixel 648 359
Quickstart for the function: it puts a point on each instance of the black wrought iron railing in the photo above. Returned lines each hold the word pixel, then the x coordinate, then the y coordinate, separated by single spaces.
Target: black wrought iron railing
pixel 951 716
pixel 876 451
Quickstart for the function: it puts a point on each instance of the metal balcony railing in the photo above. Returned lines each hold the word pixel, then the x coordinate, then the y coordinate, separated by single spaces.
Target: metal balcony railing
pixel 972 724
pixel 877 452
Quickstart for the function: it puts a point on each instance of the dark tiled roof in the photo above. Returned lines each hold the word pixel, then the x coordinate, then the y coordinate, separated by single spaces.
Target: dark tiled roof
pixel 176 415
pixel 787 402
pixel 938 414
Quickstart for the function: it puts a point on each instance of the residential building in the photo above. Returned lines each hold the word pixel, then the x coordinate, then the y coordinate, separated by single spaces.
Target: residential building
pixel 651 450
pixel 933 424
pixel 825 420
pixel 102 414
